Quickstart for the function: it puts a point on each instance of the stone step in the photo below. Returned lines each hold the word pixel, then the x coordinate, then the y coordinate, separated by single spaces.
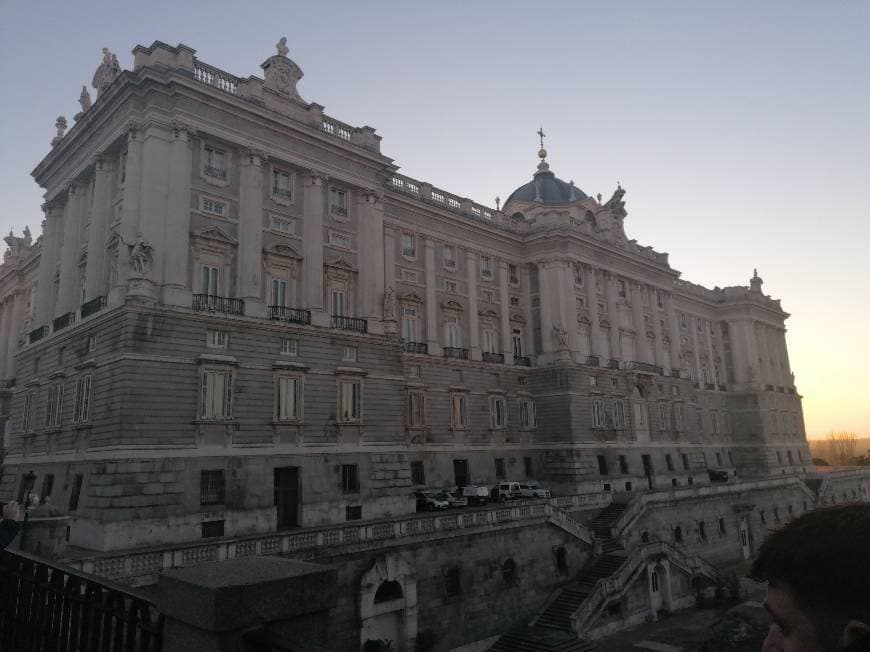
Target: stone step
pixel 540 639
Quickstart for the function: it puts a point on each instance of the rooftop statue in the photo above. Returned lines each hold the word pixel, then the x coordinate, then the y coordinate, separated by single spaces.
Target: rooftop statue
pixel 60 125
pixel 85 99
pixel 283 50
pixel 107 72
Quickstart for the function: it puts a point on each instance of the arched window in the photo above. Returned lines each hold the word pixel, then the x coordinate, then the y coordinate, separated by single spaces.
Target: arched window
pixel 390 590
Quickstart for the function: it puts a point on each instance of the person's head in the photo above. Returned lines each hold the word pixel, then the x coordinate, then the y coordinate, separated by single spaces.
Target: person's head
pixel 818 572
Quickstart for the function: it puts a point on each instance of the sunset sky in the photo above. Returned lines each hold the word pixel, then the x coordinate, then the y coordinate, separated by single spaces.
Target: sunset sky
pixel 740 130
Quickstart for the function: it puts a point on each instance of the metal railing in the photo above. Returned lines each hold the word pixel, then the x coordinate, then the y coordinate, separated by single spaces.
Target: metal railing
pixel 350 324
pixel 415 347
pixel 592 361
pixel 216 77
pixel 93 306
pixel 645 367
pixel 37 334
pixel 338 210
pixel 290 315
pixel 47 606
pixel 613 363
pixel 522 361
pixel 214 303
pixel 497 358
pixel 454 352
pixel 63 321
pixel 283 193
pixel 216 172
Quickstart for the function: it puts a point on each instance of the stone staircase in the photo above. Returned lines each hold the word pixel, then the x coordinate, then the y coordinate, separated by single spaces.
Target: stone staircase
pixel 551 630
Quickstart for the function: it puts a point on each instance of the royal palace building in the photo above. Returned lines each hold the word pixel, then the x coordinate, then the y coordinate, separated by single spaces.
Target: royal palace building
pixel 241 319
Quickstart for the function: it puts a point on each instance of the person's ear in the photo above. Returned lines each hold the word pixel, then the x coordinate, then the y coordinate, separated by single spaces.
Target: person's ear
pixel 854 630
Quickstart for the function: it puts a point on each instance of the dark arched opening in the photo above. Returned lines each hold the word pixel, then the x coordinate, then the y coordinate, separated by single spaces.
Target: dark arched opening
pixel 390 590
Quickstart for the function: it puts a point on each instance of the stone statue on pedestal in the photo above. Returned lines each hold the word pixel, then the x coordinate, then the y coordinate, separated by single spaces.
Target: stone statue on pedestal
pixel 561 336
pixel 107 72
pixel 60 125
pixel 389 304
pixel 141 255
pixel 85 99
pixel 281 45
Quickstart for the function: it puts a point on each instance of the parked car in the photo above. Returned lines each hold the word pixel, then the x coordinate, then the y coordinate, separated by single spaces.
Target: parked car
pixel 428 501
pixel 533 490
pixel 475 495
pixel 454 497
pixel 506 491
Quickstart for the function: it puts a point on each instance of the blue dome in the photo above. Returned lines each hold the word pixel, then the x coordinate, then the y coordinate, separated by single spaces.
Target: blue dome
pixel 546 188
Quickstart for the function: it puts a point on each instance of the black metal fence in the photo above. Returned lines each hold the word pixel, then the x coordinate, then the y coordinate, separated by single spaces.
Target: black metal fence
pixel 44 606
pixel 213 303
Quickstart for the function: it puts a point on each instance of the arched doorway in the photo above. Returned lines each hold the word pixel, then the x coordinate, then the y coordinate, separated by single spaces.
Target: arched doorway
pixel 388 603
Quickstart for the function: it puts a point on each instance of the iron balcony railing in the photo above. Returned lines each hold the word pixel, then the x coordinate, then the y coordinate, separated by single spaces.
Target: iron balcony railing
pixel 709 386
pixel 283 193
pixel 338 210
pixel 214 303
pixel 93 306
pixel 48 606
pixel 454 352
pixel 350 324
pixel 497 358
pixel 290 315
pixel 415 347
pixel 213 171
pixel 63 321
pixel 37 334
pixel 592 361
pixel 522 361
pixel 613 363
pixel 644 367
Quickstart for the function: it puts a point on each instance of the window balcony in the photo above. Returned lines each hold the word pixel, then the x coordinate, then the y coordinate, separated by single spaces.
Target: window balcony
pixel 350 324
pixel 613 363
pixel 643 367
pixel 497 358
pixel 675 373
pixel 338 210
pixel 709 386
pixel 592 361
pixel 522 361
pixel 282 193
pixel 93 306
pixel 214 303
pixel 415 347
pixel 63 321
pixel 37 334
pixel 212 171
pixel 290 315
pixel 453 352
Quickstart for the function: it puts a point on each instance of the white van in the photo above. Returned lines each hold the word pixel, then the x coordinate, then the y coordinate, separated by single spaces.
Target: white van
pixel 475 495
pixel 506 491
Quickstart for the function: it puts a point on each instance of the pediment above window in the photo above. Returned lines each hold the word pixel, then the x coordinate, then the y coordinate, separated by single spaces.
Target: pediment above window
pixel 341 264
pixel 452 305
pixel 488 314
pixel 518 318
pixel 282 250
pixel 410 297
pixel 215 234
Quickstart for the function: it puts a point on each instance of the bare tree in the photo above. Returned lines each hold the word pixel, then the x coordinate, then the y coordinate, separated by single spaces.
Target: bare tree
pixel 841 447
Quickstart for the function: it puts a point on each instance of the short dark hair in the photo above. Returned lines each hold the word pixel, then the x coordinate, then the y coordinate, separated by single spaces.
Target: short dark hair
pixel 821 558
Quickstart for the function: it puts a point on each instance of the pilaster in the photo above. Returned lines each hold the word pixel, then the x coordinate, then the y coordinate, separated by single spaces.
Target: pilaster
pixel 613 317
pixel 249 267
pixel 641 349
pixel 711 363
pixel 473 325
pixel 545 308
pixel 723 364
pixel 432 343
pixel 70 246
pixel 658 343
pixel 47 264
pixel 504 298
pixel 14 331
pixel 97 235
pixel 693 324
pixel 129 213
pixel 371 255
pixel 176 290
pixel 675 332
pixel 312 242
pixel 528 331
pixel 596 343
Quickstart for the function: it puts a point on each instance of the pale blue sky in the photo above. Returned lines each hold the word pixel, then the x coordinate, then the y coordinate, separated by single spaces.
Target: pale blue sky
pixel 740 130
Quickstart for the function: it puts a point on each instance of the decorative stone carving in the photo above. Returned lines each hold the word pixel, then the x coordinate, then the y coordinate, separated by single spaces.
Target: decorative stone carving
pixel 107 72
pixel 60 125
pixel 561 335
pixel 85 99
pixel 281 75
pixel 281 45
pixel 389 304
pixel 141 255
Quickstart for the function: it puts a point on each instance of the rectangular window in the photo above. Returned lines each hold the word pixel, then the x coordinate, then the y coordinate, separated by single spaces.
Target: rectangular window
pixel 451 332
pixel 351 401
pixel 527 466
pixel 214 207
pixel 289 398
pixel 27 411
pixel 416 409
pixel 679 418
pixel 209 529
pixel 460 412
pixel 598 417
pixel 685 459
pixel 499 468
pixel 215 339
pixel 485 267
pixel 350 478
pixel 409 276
pixel 513 275
pixel 619 415
pixel 409 324
pixel 54 406
pixel 76 492
pixel 722 529
pixel 515 301
pixel 528 418
pixel 490 342
pixel 623 464
pixel 82 411
pixel 337 302
pixel 214 162
pixel 669 461
pixel 47 487
pixel 451 582
pixel 289 347
pixel 280 184
pixel 282 224
pixel 498 413
pixel 211 487
pixel 409 245
pixel 602 465
pixel 488 296
pixel 209 280
pixel 348 354
pixel 578 274
pixel 418 473
pixel 353 513
pixel 217 395
pixel 338 201
pixel 718 459
pixel 664 416
pixel 448 254
pixel 279 292
pixel 339 240
pixel 622 289
pixel 450 286
pixel 517 340
pixel 702 530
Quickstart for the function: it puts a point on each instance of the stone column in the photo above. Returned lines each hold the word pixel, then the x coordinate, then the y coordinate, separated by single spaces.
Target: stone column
pixel 545 308
pixel 473 327
pixel 504 298
pixel 16 314
pixel 675 332
pixel 249 264
pixel 753 372
pixel 723 365
pixel 177 288
pixel 693 324
pixel 129 213
pixel 47 263
pixel 785 361
pixel 528 331
pixel 613 316
pixel 390 261
pixel 762 338
pixel 69 253
pixel 739 352
pixel 97 236
pixel 312 242
pixel 371 259
pixel 7 347
pixel 596 343
pixel 568 305
pixel 658 344
pixel 641 349
pixel 433 344
pixel 709 340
